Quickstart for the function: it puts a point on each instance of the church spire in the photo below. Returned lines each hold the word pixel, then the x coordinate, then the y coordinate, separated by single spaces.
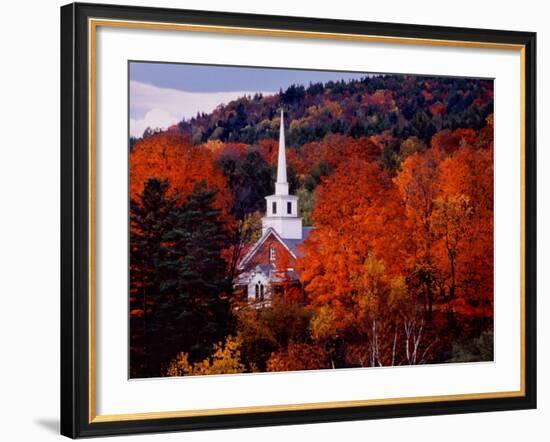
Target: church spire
pixel 282 208
pixel 281 185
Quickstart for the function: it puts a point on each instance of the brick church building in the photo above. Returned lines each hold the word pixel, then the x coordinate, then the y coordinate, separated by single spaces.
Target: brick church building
pixel 270 264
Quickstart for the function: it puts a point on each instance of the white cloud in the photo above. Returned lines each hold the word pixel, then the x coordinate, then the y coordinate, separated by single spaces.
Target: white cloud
pixel 163 107
pixel 154 118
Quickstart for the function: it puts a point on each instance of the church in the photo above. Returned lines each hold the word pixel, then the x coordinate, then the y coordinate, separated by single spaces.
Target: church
pixel 269 266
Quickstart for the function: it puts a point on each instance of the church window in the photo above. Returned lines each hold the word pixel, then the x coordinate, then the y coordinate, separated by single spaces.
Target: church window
pixel 274 207
pixel 272 254
pixel 259 291
pixel 289 207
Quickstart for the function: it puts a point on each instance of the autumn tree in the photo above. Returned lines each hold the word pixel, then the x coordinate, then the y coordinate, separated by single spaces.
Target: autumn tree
pixel 336 149
pixel 357 215
pixel 271 329
pixel 418 184
pixel 390 327
pixel 226 359
pixel 464 217
pixel 298 356
pixel 171 156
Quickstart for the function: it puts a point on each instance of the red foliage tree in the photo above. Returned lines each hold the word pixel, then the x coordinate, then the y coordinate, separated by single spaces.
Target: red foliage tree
pixel 171 156
pixel 357 215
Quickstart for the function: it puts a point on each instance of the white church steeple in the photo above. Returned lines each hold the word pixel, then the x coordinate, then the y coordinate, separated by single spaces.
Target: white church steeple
pixel 282 208
pixel 281 185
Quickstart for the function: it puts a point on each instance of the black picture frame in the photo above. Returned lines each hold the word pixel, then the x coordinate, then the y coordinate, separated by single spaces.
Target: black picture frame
pixel 75 221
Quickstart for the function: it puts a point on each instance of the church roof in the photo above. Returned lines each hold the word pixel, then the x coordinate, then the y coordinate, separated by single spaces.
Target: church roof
pixel 292 244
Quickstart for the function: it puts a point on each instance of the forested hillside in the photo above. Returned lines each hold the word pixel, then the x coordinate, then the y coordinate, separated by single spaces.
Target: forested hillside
pixel 404 105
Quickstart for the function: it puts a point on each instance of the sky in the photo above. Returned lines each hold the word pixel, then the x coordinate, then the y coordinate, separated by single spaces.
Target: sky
pixel 162 94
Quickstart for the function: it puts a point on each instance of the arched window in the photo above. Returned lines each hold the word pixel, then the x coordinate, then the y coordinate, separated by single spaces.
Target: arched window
pixel 274 207
pixel 289 208
pixel 259 291
pixel 272 254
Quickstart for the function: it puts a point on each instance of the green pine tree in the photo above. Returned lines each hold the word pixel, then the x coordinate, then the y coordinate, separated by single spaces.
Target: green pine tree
pixel 150 219
pixel 194 312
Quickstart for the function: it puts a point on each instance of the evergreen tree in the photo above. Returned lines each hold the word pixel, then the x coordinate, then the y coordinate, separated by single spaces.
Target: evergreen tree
pixel 149 221
pixel 194 312
pixel 250 180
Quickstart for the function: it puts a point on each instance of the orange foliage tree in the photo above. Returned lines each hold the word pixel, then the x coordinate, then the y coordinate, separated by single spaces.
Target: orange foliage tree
pixel 418 187
pixel 464 217
pixel 398 267
pixel 449 207
pixel 171 156
pixel 357 215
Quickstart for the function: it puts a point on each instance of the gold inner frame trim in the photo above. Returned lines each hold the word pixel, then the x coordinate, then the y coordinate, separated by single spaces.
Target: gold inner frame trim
pixel 93 24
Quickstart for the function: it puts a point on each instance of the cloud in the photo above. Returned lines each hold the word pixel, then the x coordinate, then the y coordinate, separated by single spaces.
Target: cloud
pixel 156 107
pixel 154 118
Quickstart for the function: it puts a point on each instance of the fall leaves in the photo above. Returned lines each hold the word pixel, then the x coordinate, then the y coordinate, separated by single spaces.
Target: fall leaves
pixel 398 270
pixel 170 156
pixel 436 213
pixel 402 263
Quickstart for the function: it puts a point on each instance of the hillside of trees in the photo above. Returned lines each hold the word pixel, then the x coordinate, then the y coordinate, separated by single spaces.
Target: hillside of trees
pixel 396 175
pixel 403 105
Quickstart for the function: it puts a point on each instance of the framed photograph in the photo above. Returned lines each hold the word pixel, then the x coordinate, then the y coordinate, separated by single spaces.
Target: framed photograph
pixel 276 220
